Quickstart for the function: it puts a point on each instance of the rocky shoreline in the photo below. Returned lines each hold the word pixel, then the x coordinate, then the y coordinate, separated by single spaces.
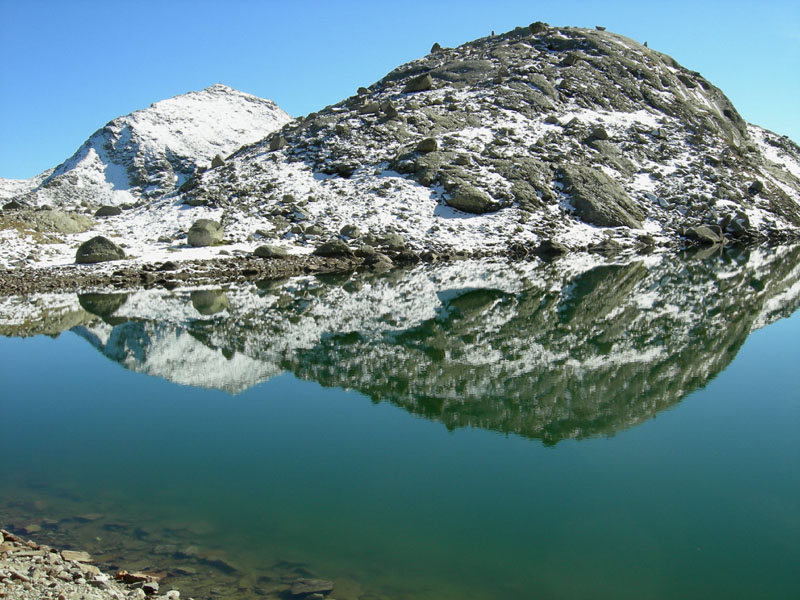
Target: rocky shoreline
pixel 53 550
pixel 222 270
pixel 237 268
pixel 31 570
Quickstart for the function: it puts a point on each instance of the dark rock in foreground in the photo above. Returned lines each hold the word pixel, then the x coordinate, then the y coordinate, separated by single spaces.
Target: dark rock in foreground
pixel 98 249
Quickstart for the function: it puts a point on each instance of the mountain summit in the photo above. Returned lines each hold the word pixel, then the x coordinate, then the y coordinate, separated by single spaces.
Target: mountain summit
pixel 539 140
pixel 563 136
pixel 150 152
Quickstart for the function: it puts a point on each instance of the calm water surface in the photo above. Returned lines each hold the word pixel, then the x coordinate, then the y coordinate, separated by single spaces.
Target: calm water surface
pixel 608 431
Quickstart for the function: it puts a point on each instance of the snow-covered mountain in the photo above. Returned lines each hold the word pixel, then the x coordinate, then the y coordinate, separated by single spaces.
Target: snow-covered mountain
pixel 539 140
pixel 577 347
pixel 557 135
pixel 151 152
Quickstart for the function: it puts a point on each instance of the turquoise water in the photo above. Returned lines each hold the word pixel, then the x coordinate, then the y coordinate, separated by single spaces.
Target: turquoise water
pixel 697 497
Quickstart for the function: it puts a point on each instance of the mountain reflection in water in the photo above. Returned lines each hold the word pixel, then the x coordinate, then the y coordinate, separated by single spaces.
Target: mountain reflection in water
pixel 569 349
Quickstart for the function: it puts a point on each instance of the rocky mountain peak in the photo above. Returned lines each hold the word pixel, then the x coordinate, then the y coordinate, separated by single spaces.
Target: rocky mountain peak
pixel 150 152
pixel 543 134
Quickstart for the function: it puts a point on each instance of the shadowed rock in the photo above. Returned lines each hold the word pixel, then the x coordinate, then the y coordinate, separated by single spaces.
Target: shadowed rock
pixel 98 249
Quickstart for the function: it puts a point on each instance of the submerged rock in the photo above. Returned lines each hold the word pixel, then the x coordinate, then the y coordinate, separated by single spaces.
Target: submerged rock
pixel 305 587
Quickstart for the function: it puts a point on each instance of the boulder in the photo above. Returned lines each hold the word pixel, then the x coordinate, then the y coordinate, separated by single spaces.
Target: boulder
pixel 108 211
pixel 269 251
pixel 428 145
pixel 755 188
pixel 538 27
pixel 393 242
pixel 277 142
pixel 598 199
pixel 550 249
pixel 469 199
pixel 217 161
pixel 389 110
pixel 419 84
pixel 13 205
pixel 350 231
pixel 370 108
pixel 704 235
pixel 306 587
pixel 599 133
pixel 333 248
pixel 76 556
pixel 98 249
pixel 204 232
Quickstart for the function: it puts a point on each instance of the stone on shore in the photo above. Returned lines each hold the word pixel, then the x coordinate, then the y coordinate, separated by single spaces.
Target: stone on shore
pixel 98 249
pixel 204 232
pixel 76 556
pixel 270 251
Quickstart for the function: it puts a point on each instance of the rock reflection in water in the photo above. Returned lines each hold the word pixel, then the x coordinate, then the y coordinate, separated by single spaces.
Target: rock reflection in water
pixel 570 349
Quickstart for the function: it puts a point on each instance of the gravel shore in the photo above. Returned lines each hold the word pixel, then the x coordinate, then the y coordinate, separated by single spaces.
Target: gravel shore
pixel 29 570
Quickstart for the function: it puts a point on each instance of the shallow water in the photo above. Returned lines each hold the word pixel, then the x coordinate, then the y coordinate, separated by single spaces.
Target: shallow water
pixel 473 431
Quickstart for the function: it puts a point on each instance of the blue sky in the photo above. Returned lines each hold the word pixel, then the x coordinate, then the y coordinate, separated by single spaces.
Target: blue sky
pixel 67 68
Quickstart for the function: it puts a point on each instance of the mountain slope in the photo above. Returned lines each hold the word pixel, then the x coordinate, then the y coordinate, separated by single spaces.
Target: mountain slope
pixel 151 152
pixel 556 135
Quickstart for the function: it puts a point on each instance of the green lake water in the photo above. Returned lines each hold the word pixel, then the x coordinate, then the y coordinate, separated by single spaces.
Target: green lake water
pixel 626 430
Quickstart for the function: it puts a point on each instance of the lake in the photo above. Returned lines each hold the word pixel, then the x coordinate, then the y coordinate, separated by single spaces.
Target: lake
pixel 586 428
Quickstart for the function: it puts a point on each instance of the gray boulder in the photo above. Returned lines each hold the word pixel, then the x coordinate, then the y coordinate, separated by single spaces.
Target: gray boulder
pixel 704 235
pixel 204 232
pixel 428 145
pixel 351 231
pixel 419 84
pixel 217 161
pixel 269 251
pixel 393 242
pixel 333 248
pixel 471 200
pixel 108 211
pixel 277 142
pixel 98 249
pixel 598 199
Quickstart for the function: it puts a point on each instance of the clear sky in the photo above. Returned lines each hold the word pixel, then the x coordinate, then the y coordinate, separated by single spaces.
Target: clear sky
pixel 68 67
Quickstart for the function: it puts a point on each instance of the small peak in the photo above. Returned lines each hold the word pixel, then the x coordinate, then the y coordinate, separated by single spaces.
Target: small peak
pixel 219 87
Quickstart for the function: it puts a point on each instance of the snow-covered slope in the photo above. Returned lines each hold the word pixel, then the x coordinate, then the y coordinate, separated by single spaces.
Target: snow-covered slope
pixel 539 140
pixel 151 152
pixel 559 135
pixel 572 348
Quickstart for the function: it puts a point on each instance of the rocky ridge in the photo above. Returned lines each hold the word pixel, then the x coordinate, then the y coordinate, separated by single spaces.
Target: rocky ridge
pixel 142 156
pixel 539 140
